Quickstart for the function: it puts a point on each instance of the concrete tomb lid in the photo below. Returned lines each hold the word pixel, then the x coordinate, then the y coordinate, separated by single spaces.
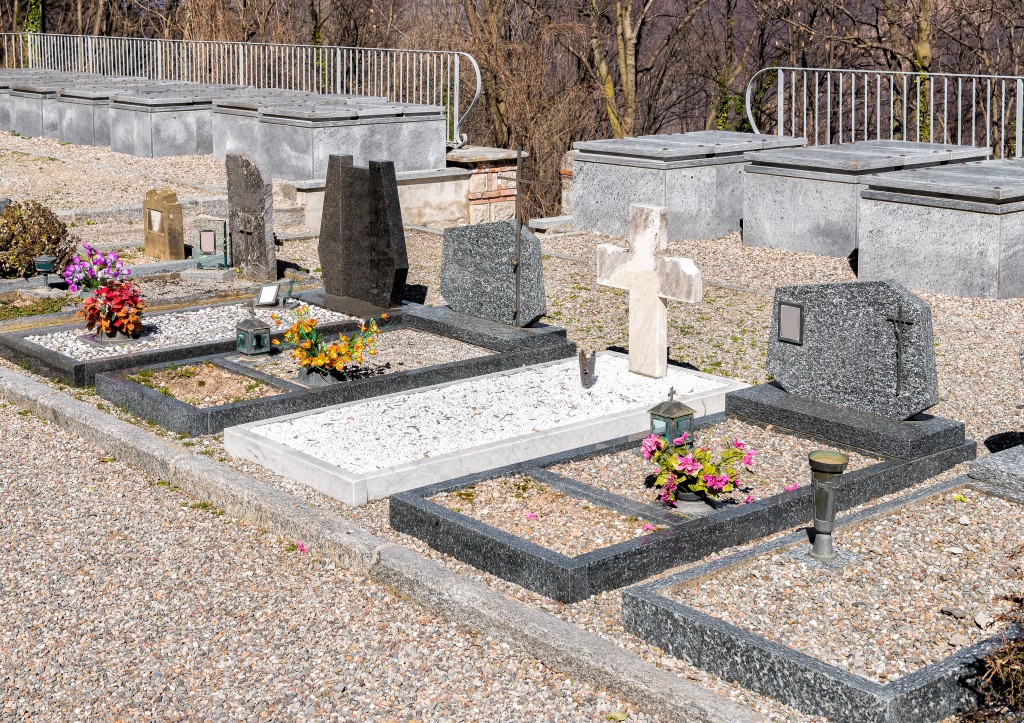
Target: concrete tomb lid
pixel 478 276
pixel 866 345
pixel 999 181
pixel 682 146
pixel 868 156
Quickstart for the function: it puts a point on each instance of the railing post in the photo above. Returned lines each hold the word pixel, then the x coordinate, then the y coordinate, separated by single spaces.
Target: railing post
pixel 780 84
pixel 1019 130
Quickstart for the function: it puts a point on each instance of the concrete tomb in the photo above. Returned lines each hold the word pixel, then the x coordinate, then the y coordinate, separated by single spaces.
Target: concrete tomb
pixel 478 273
pixel 164 120
pixel 164 232
pixel 806 199
pixel 696 176
pixel 362 242
pixel 236 118
pixel 297 140
pixel 955 230
pixel 251 219
pixel 865 345
pixel 650 279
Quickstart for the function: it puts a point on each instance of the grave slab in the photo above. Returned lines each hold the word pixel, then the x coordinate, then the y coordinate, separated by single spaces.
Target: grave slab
pixel 178 416
pixel 955 230
pixel 931 693
pixel 1003 469
pixel 478 277
pixel 697 176
pixel 807 199
pixel 866 346
pixel 297 140
pixel 488 422
pixel 683 539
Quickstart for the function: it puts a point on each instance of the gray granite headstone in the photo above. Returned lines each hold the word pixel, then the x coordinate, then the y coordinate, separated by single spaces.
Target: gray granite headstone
pixel 4 203
pixel 362 241
pixel 865 345
pixel 251 219
pixel 478 277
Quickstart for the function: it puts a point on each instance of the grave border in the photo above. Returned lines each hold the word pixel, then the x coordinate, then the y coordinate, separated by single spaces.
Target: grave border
pixel 571 579
pixel 181 417
pixel 357 488
pixel 82 372
pixel 930 693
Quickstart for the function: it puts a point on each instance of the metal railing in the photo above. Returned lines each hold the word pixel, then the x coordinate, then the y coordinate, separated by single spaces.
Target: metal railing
pixel 828 105
pixel 432 77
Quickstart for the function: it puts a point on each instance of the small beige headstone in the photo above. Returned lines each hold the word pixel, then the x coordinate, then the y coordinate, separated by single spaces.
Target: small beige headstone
pixel 650 279
pixel 161 219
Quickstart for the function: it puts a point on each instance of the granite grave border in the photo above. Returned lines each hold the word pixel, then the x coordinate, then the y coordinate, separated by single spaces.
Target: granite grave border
pixel 931 693
pixel 183 418
pixel 82 372
pixel 571 579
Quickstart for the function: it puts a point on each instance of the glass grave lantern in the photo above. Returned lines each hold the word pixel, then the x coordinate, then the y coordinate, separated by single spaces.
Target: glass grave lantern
pixel 671 418
pixel 826 467
pixel 252 336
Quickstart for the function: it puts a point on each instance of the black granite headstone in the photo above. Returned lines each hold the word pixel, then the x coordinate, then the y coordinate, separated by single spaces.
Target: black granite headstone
pixel 478 273
pixel 362 241
pixel 864 345
pixel 251 219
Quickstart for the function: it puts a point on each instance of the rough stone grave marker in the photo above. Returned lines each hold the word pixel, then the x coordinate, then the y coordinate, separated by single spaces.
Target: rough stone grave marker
pixel 866 345
pixel 164 232
pixel 362 241
pixel 651 280
pixel 251 219
pixel 478 274
pixel 4 203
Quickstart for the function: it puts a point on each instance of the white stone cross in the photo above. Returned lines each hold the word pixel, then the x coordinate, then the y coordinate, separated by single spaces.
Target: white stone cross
pixel 650 280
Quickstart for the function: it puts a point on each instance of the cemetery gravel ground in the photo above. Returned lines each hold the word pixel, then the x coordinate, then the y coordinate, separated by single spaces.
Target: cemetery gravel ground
pixel 122 598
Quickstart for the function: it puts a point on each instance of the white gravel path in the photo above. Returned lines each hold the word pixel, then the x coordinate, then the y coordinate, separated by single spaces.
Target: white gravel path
pixel 121 599
pixel 162 331
pixel 474 412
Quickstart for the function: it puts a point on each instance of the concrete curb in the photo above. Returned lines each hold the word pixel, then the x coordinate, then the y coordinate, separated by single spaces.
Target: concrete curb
pixel 558 644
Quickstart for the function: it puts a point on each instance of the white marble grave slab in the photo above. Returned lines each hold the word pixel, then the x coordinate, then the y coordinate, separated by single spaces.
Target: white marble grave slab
pixel 369 449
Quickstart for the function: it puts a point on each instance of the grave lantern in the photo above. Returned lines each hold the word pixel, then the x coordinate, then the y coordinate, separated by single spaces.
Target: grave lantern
pixel 826 466
pixel 671 418
pixel 252 336
pixel 44 266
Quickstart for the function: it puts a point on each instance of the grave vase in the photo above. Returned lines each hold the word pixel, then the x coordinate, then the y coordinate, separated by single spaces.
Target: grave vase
pixel 317 377
pixel 688 497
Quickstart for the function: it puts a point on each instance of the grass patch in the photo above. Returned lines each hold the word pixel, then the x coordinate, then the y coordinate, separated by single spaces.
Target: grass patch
pixel 18 308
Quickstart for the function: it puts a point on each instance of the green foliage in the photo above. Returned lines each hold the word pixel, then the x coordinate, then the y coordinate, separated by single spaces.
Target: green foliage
pixel 11 309
pixel 29 230
pixel 34 19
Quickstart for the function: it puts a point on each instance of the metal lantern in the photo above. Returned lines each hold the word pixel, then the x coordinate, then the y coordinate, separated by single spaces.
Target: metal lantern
pixel 252 336
pixel 671 418
pixel 44 266
pixel 826 466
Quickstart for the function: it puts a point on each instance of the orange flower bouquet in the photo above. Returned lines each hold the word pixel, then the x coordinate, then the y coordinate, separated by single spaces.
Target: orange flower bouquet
pixel 316 355
pixel 114 309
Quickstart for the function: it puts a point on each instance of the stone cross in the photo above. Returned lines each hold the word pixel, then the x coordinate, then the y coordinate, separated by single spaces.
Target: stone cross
pixel 650 280
pixel 899 321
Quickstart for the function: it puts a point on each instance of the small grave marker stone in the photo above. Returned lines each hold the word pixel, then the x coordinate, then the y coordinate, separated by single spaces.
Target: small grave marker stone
pixel 478 273
pixel 4 203
pixel 251 219
pixel 209 243
pixel 164 232
pixel 362 241
pixel 650 280
pixel 866 345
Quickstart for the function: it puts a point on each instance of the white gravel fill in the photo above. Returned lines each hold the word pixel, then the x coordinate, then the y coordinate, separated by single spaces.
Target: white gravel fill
pixel 172 329
pixel 379 434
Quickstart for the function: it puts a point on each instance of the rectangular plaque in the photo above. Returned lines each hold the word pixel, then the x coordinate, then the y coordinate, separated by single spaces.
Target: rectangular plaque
pixel 791 323
pixel 267 295
pixel 155 221
pixel 207 241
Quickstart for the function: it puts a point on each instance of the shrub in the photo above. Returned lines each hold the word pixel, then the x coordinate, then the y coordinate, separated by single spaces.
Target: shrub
pixel 29 230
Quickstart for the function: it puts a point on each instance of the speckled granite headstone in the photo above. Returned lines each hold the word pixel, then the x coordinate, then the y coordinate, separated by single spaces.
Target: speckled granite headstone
pixel 865 345
pixel 477 276
pixel 362 242
pixel 251 219
pixel 4 203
